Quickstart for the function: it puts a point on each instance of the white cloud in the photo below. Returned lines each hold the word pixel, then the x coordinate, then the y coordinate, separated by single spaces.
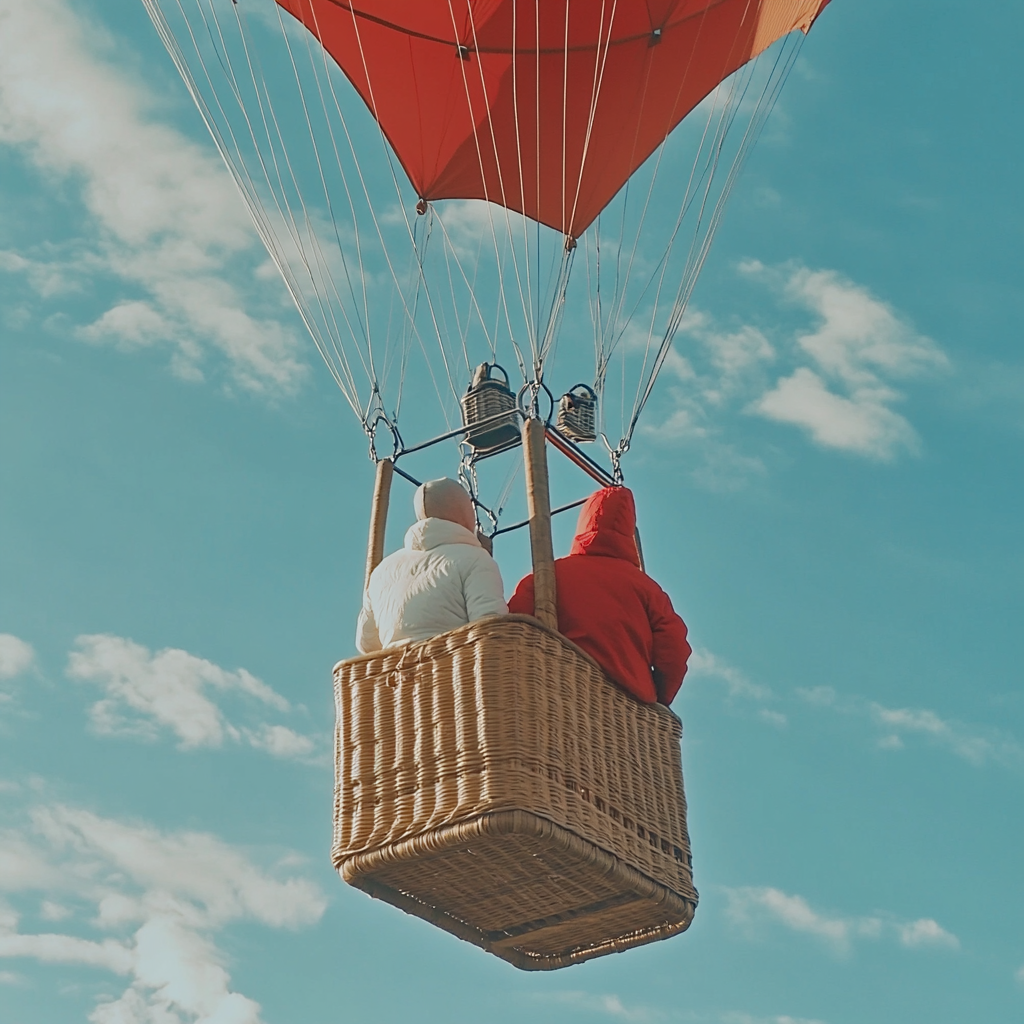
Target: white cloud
pixel 131 325
pixel 707 664
pixel 163 895
pixel 145 693
pixel 50 911
pixel 1020 975
pixel 720 365
pixel 831 370
pixel 11 978
pixel 746 1018
pixel 963 740
pixel 792 911
pixel 473 225
pixel 859 344
pixel 736 352
pixel 751 907
pixel 164 215
pixel 16 656
pixel 862 423
pixel 927 932
pixel 823 696
pixel 973 744
pixel 66 949
pixel 607 1005
pixel 859 336
pixel 280 741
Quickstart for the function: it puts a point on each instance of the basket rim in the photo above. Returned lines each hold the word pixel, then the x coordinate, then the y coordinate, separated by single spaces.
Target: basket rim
pixel 419 651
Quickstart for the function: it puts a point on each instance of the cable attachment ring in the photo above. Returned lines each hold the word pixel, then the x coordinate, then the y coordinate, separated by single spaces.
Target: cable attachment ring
pixel 528 401
pixel 372 426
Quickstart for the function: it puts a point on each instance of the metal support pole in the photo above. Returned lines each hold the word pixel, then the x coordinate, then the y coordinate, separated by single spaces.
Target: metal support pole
pixel 378 516
pixel 538 503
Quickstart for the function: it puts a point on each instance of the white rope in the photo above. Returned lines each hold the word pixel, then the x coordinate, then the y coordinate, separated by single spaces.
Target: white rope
pixel 483 177
pixel 231 155
pixel 763 108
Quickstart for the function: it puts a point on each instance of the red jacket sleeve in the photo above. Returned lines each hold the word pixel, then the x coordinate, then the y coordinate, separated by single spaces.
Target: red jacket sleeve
pixel 671 650
pixel 521 602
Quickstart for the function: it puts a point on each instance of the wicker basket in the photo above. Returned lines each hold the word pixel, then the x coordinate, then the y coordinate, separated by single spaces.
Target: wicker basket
pixel 494 782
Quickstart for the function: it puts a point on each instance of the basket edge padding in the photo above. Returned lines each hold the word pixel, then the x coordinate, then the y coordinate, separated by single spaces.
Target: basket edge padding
pixel 358 871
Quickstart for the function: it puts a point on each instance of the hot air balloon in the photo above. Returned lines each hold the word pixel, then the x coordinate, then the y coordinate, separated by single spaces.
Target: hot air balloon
pixel 499 194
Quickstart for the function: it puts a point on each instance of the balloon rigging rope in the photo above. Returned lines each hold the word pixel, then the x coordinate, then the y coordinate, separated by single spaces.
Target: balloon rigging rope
pixel 470 287
pixel 365 320
pixel 530 322
pixel 243 179
pixel 231 154
pixel 525 302
pixel 600 63
pixel 619 296
pixel 405 346
pixel 782 66
pixel 565 98
pixel 706 177
pixel 708 164
pixel 405 217
pixel 421 284
pixel 291 237
pixel 319 291
pixel 286 216
pixel 323 280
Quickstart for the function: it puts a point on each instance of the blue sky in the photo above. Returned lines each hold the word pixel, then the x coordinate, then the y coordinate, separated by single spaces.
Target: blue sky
pixel 828 484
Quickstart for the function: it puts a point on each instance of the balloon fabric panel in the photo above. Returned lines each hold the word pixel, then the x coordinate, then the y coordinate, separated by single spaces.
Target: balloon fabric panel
pixel 546 107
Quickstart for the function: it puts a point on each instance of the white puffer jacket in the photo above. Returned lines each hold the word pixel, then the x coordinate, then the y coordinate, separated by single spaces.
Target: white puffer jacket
pixel 439 581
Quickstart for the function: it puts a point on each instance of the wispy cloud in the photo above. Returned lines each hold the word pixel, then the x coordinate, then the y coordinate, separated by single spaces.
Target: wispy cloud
pixel 822 696
pixel 862 423
pixel 974 744
pixel 859 346
pixel 967 742
pixel 752 907
pixel 926 932
pixel 151 904
pixel 146 694
pixel 746 1018
pixel 833 372
pixel 604 1004
pixel 164 226
pixel 16 656
pixel 704 663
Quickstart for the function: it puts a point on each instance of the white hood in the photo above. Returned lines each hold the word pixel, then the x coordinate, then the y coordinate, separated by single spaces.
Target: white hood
pixel 428 534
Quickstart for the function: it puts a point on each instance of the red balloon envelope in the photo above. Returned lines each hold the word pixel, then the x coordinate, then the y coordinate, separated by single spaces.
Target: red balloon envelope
pixel 543 106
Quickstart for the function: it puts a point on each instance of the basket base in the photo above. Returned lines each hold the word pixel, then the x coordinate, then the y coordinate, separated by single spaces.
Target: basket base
pixel 592 903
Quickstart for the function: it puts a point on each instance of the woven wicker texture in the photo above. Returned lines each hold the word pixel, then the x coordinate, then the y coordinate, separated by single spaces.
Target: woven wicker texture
pixel 494 782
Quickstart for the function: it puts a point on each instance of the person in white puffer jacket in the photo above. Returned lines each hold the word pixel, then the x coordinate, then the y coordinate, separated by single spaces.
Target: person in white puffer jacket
pixel 441 579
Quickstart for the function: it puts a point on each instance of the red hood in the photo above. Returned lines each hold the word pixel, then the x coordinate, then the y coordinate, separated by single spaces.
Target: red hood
pixel 607 526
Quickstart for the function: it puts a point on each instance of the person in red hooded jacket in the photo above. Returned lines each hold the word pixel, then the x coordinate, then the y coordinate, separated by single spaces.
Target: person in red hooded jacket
pixel 610 607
